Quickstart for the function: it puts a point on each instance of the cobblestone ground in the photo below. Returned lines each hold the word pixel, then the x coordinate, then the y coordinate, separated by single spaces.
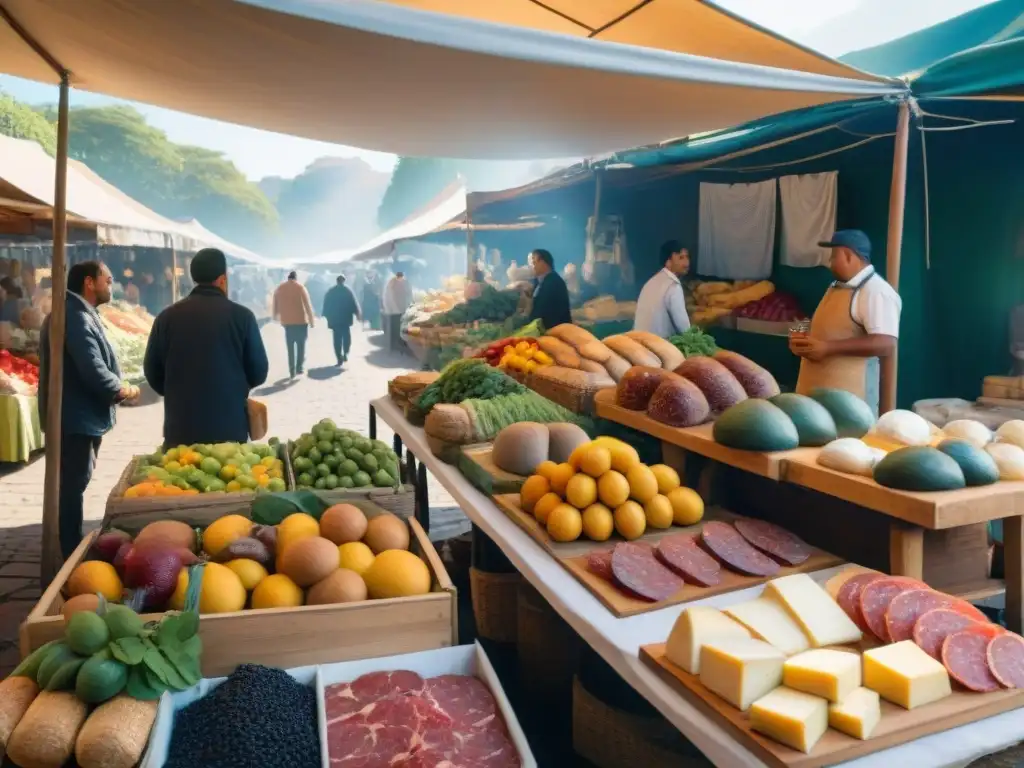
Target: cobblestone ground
pixel 325 391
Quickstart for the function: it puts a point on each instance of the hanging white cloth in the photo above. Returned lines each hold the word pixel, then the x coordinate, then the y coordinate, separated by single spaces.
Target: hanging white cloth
pixel 808 217
pixel 737 230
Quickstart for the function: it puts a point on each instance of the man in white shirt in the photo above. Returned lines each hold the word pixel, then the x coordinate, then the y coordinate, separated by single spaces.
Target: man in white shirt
pixel 661 306
pixel 856 323
pixel 397 298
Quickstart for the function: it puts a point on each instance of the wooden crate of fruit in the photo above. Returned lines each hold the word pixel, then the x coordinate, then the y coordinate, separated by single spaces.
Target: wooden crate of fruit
pixel 294 631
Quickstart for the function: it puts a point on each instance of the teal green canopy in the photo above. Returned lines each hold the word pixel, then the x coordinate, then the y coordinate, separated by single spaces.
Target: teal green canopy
pixel 996 69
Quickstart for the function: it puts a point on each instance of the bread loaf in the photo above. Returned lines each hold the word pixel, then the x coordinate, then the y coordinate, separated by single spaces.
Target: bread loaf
pixel 596 351
pixel 592 366
pixel 635 352
pixel 562 353
pixel 572 334
pixel 669 354
pixel 450 423
pixel 616 367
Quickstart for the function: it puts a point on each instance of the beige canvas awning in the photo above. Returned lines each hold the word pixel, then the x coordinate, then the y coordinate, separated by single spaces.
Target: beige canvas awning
pixel 395 78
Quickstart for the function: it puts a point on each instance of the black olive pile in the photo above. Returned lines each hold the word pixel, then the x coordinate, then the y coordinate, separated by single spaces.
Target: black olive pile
pixel 257 717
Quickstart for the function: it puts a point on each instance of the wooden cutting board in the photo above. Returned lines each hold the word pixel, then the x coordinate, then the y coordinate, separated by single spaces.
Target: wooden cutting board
pixel 476 464
pixel 897 726
pixel 573 557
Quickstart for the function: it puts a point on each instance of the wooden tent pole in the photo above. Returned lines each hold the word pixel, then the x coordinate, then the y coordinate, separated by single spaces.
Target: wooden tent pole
pixel 51 550
pixel 894 243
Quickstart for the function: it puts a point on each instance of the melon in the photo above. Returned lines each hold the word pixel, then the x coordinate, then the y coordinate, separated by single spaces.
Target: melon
pixel 564 438
pixel 519 448
pixel 1009 458
pixel 1011 432
pixel 756 425
pixel 851 456
pixel 719 386
pixel 979 468
pixel 755 380
pixel 814 424
pixel 678 402
pixel 310 560
pixel 853 417
pixel 919 468
pixel 385 532
pixel 973 432
pixel 635 389
pixel 903 428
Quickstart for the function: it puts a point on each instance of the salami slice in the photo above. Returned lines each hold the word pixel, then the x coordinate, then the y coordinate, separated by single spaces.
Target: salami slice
pixel 907 607
pixel 848 597
pixel 682 554
pixel 777 542
pixel 600 564
pixel 735 552
pixel 875 599
pixel 933 627
pixel 635 567
pixel 1005 655
pixel 965 656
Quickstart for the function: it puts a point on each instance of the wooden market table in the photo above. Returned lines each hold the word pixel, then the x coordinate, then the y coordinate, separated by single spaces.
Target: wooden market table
pixel 618 641
pixel 950 525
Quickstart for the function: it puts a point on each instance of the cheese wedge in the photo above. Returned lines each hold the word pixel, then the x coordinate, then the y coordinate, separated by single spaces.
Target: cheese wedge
pixel 857 715
pixel 695 627
pixel 823 672
pixel 818 615
pixel 768 621
pixel 793 718
pixel 904 674
pixel 740 670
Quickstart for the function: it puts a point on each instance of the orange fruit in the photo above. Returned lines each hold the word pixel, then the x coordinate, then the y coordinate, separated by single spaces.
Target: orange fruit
pixel 576 457
pixel 612 489
pixel 95 576
pixel 223 531
pixel 581 491
pixel 598 523
pixel 565 523
pixel 277 591
pixel 643 485
pixel 596 460
pixel 545 468
pixel 249 571
pixel 659 512
pixel 560 477
pixel 544 506
pixel 534 487
pixel 687 506
pixel 630 520
pixel 668 478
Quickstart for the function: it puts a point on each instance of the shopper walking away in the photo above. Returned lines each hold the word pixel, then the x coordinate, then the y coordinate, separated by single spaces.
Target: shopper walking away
pixel 92 387
pixel 550 296
pixel 371 301
pixel 204 356
pixel 340 307
pixel 397 298
pixel 661 306
pixel 294 310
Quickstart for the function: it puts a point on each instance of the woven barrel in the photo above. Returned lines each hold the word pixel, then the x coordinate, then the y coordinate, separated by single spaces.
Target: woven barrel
pixel 495 604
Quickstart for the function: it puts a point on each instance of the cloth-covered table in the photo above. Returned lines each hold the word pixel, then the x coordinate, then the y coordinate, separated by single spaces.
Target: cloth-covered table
pixel 20 434
pixel 618 641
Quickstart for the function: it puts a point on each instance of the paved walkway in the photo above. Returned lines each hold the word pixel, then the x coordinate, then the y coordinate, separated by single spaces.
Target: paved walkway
pixel 294 406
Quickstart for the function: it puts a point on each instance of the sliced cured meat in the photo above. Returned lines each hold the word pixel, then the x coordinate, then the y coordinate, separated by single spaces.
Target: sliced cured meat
pixel 1005 655
pixel 735 552
pixel 875 599
pixel 600 564
pixel 848 596
pixel 635 567
pixel 683 555
pixel 933 627
pixel 965 656
pixel 777 542
pixel 344 699
pixel 907 607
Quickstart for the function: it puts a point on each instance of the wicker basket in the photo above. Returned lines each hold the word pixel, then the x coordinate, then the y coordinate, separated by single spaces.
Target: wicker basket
pixel 1003 387
pixel 574 399
pixel 495 604
pixel 547 651
pixel 610 738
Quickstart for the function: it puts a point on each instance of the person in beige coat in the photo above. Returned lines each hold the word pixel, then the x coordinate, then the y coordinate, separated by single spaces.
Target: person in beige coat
pixel 293 309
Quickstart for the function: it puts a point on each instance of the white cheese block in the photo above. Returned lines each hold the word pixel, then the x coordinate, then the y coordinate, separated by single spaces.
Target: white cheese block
pixel 857 715
pixel 904 674
pixel 740 670
pixel 768 621
pixel 793 718
pixel 824 672
pixel 818 615
pixel 695 627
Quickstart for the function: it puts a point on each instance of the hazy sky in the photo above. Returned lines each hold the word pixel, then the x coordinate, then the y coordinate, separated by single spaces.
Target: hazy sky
pixel 834 27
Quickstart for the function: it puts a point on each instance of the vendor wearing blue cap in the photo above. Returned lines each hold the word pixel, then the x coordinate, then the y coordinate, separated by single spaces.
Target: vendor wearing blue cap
pixel 856 323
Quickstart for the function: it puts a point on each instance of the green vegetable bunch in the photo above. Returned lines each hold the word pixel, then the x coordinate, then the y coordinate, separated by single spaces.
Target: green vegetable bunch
pixel 492 304
pixel 694 341
pixel 491 416
pixel 466 379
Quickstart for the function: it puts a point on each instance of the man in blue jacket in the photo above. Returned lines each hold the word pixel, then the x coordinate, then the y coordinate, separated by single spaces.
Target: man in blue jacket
pixel 92 387
pixel 205 354
pixel 550 294
pixel 340 309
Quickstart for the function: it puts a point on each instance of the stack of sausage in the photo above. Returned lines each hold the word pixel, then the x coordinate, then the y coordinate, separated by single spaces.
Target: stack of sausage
pixel 979 655
pixel 656 572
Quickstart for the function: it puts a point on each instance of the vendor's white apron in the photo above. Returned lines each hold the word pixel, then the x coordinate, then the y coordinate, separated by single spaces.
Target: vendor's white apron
pixel 833 321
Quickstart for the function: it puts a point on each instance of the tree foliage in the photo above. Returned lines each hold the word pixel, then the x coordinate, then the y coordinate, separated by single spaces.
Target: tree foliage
pixel 20 121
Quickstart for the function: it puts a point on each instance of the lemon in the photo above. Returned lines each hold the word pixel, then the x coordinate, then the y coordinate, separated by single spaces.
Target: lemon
pixel 227 473
pixel 596 460
pixel 277 591
pixel 249 571
pixel 659 512
pixel 221 590
pixel 598 523
pixel 545 468
pixel 630 520
pixel 612 489
pixel 356 556
pixel 532 490
pixel 560 477
pixel 223 531
pixel 687 506
pixel 565 523
pixel 668 478
pixel 544 505
pixel 268 461
pixel 233 487
pixel 643 485
pixel 397 573
pixel 293 528
pixel 581 491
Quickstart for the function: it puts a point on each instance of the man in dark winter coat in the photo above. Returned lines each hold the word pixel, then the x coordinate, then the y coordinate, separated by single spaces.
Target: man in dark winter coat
pixel 204 356
pixel 550 295
pixel 92 387
pixel 340 309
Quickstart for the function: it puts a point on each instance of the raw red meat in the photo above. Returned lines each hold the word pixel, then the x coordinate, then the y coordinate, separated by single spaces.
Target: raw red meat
pixel 964 654
pixel 908 607
pixel 776 541
pixel 932 629
pixel 735 552
pixel 347 698
pixel 875 599
pixel 635 567
pixel 600 564
pixel 466 700
pixel 848 597
pixel 682 554
pixel 1005 655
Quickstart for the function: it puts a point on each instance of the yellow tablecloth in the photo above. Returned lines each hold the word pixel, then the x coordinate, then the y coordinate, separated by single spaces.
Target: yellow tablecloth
pixel 20 434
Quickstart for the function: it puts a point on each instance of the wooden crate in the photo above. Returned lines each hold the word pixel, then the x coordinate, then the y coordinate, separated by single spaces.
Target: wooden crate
pixel 295 637
pixel 1003 387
